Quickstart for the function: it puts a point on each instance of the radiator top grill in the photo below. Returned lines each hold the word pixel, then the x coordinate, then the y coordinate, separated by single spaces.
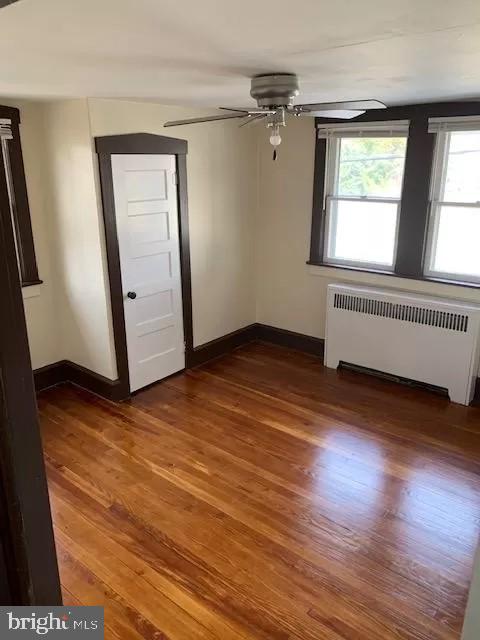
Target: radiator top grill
pixel 405 312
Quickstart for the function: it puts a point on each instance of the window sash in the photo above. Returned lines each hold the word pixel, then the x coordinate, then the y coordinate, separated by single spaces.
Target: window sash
pixel 439 177
pixel 432 241
pixel 11 164
pixel 382 129
pixel 331 221
pixel 453 123
pixel 333 165
pixel 331 196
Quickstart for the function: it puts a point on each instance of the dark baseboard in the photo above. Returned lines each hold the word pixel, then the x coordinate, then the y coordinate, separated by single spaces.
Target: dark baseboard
pixel 476 395
pixel 110 389
pixel 251 333
pixel 290 339
pixel 66 371
pixel 50 375
pixel 220 346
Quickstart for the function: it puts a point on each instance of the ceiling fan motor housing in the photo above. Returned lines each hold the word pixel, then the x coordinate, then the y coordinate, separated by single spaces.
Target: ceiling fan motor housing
pixel 277 90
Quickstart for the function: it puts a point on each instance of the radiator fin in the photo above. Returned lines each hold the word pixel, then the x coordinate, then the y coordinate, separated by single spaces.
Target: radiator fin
pixel 405 312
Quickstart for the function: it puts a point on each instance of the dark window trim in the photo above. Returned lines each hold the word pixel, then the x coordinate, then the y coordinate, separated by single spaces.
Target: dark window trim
pixel 142 143
pixel 414 209
pixel 23 225
pixel 26 527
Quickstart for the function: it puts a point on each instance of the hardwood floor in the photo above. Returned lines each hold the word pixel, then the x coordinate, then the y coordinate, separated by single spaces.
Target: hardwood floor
pixel 263 496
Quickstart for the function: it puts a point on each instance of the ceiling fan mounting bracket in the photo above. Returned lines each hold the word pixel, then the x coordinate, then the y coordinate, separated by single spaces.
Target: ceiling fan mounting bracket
pixel 275 90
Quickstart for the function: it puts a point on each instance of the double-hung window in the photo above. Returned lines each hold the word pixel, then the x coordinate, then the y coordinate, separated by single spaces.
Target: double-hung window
pixel 454 225
pixel 363 190
pixel 11 164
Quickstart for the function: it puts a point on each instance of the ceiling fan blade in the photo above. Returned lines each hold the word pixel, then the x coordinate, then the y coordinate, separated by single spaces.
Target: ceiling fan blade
pixel 254 118
pixel 341 114
pixel 243 110
pixel 251 110
pixel 356 105
pixel 227 116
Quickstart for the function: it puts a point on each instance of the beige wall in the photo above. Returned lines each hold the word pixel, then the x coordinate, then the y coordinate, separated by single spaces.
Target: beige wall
pixel 69 316
pixel 76 239
pixel 40 301
pixel 249 229
pixel 290 294
pixel 222 201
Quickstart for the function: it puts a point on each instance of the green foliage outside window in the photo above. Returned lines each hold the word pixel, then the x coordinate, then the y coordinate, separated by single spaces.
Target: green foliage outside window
pixel 371 167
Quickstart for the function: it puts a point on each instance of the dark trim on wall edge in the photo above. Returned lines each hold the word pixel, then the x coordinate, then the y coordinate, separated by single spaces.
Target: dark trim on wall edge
pixel 253 333
pixel 5 3
pixel 66 371
pixel 31 283
pixel 476 395
pixel 290 339
pixel 142 143
pixel 221 346
pixel 26 533
pixel 50 375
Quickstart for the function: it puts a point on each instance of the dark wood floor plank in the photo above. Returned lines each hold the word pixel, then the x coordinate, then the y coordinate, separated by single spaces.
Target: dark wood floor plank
pixel 263 496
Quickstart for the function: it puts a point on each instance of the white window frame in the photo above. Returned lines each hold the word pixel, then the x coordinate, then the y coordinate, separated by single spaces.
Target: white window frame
pixel 437 187
pixel 330 198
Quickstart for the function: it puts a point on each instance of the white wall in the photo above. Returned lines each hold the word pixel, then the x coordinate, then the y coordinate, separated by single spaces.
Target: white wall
pixel 83 305
pixel 249 229
pixel 222 202
pixel 40 301
pixel 69 316
pixel 291 294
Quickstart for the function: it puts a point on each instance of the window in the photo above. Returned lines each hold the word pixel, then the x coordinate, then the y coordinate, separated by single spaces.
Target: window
pixel 400 196
pixel 364 176
pixel 11 163
pixel 454 225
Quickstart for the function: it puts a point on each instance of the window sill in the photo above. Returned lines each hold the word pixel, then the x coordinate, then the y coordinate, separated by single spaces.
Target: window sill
pixel 31 283
pixel 345 267
pixel 380 272
pixel 31 292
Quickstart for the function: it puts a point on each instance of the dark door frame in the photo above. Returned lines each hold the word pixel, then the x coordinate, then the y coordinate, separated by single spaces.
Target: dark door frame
pixel 142 143
pixel 26 534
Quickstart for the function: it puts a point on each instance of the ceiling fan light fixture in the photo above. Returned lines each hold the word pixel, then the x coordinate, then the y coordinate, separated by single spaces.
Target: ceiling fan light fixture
pixel 275 137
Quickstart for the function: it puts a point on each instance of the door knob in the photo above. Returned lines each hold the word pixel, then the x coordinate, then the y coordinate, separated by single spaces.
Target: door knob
pixel 132 295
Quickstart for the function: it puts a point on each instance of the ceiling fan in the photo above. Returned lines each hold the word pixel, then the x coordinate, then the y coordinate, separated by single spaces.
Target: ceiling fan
pixel 275 95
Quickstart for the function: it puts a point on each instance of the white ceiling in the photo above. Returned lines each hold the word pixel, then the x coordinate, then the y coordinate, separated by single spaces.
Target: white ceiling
pixel 203 52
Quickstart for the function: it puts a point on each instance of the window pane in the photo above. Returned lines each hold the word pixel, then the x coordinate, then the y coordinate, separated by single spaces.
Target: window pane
pixel 371 167
pixel 462 183
pixel 363 231
pixel 11 196
pixel 456 250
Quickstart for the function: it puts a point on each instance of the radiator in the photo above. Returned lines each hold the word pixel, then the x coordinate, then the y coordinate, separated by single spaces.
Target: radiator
pixel 429 340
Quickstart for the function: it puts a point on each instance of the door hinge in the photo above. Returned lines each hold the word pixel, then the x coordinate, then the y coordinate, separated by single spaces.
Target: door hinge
pixel 174 178
pixel 184 347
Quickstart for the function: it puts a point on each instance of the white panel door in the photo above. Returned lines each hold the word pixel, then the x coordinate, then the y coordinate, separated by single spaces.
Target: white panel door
pixel 147 225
